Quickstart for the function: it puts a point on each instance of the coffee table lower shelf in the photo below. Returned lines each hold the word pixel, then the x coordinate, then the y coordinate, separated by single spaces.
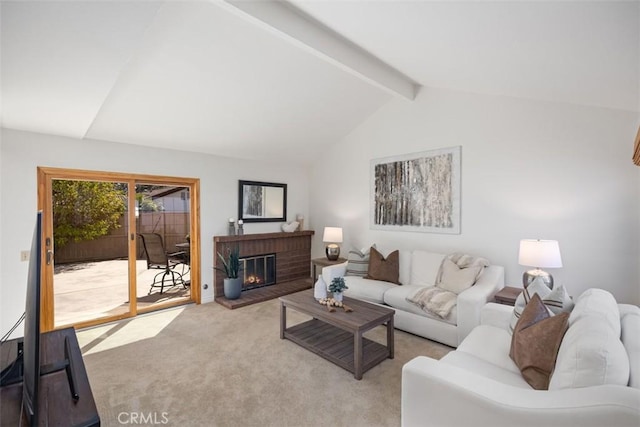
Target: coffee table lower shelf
pixel 335 344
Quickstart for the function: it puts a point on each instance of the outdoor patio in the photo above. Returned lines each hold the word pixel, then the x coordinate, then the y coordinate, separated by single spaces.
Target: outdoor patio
pixel 90 290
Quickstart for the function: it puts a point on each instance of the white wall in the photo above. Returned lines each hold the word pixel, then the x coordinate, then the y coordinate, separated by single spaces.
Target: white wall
pixel 529 170
pixel 22 152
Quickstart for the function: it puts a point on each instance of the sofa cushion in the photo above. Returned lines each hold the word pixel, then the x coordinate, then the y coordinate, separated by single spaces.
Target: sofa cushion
pixel 490 344
pixel 590 354
pixel 455 279
pixel 367 290
pixel 358 262
pixel 424 268
pixel 599 303
pixel 478 366
pixel 396 297
pixel 630 324
pixel 385 269
pixel 535 343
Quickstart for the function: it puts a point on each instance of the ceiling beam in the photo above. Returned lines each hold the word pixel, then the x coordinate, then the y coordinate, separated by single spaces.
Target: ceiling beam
pixel 284 20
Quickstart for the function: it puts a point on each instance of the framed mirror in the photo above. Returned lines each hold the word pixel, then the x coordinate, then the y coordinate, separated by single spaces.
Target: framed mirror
pixel 262 201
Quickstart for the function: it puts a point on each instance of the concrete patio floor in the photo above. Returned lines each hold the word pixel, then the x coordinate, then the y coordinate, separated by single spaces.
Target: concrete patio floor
pixel 91 290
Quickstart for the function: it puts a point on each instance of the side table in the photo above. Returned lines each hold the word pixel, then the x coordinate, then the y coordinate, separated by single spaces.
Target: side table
pixel 507 295
pixel 323 262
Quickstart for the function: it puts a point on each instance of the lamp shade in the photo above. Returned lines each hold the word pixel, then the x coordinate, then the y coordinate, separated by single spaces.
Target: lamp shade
pixel 332 235
pixel 540 253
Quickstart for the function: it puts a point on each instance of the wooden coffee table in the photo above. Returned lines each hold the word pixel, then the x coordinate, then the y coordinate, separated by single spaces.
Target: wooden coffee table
pixel 337 336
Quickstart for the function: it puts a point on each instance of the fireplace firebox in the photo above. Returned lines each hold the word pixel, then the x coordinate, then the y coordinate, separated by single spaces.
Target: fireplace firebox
pixel 258 271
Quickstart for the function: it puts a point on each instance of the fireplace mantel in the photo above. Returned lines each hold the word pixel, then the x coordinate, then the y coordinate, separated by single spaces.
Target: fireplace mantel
pixel 262 236
pixel 293 263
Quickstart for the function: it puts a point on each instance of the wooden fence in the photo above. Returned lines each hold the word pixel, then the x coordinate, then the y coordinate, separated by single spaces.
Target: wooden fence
pixel 172 226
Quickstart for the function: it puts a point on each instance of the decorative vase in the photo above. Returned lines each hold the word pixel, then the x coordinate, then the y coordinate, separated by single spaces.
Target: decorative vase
pixel 320 289
pixel 337 296
pixel 232 288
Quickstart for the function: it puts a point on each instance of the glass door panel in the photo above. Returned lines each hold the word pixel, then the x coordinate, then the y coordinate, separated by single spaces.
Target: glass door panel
pixel 90 253
pixel 163 255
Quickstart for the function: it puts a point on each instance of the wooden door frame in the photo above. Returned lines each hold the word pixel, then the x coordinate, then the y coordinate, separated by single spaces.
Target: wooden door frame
pixel 45 177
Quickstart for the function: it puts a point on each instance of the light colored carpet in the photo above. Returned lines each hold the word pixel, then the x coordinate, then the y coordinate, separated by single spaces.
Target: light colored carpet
pixel 206 365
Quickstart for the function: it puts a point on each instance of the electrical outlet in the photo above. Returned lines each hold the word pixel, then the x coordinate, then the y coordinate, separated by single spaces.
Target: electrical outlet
pixel 24 255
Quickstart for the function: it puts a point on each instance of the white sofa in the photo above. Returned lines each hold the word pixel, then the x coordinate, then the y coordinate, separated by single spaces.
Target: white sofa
pixel 419 269
pixel 596 381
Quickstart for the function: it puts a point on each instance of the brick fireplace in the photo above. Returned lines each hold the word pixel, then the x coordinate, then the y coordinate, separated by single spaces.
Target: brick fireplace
pixel 291 255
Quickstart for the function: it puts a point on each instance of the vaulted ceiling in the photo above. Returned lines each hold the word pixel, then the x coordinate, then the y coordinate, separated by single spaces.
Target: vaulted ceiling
pixel 263 79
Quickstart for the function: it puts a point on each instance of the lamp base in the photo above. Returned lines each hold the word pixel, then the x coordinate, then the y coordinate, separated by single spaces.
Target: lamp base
pixel 529 276
pixel 333 251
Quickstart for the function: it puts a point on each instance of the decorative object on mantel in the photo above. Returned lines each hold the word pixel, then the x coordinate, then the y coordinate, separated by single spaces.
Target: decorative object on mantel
pixel 416 192
pixel 636 150
pixel 290 227
pixel 300 219
pixel 231 268
pixel 337 286
pixel 539 253
pixel 231 229
pixel 240 227
pixel 332 236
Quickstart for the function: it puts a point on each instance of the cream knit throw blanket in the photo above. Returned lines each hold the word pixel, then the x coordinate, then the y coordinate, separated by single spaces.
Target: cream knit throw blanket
pixel 435 300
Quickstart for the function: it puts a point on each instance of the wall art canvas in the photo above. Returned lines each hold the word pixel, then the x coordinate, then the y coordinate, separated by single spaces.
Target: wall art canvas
pixel 417 192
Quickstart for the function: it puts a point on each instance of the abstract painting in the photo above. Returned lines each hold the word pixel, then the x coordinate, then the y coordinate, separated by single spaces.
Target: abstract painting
pixel 417 192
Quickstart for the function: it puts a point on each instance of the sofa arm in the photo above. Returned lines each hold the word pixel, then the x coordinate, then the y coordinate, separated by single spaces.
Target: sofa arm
pixel 332 271
pixel 439 394
pixel 471 301
pixel 498 315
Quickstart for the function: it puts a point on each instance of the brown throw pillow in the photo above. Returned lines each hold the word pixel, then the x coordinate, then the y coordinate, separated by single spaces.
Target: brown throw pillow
pixel 536 341
pixel 384 269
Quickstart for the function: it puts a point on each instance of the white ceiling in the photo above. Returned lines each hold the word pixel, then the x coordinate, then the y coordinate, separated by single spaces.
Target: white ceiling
pixel 247 79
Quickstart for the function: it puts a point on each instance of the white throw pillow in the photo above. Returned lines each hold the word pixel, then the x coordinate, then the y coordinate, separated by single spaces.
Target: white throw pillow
pixel 558 300
pixel 455 279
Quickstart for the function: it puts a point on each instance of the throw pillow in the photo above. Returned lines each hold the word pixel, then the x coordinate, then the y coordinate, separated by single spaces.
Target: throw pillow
pixel 456 279
pixel 358 262
pixel 556 300
pixel 536 341
pixel 381 268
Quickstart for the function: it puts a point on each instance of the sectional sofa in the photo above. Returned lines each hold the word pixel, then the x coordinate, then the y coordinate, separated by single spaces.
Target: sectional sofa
pixel 596 380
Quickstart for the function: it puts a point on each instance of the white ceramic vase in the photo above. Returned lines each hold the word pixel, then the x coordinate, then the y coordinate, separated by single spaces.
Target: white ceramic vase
pixel 320 290
pixel 337 296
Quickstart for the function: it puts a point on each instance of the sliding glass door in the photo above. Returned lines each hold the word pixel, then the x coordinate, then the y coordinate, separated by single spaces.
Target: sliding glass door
pixel 116 244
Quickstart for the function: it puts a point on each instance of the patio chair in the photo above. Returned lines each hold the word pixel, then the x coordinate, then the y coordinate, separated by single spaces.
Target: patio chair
pixel 159 258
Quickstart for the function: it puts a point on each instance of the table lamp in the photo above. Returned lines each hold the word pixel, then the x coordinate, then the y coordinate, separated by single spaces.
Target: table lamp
pixel 332 236
pixel 539 254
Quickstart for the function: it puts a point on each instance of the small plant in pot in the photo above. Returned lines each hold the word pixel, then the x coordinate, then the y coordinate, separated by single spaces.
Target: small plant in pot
pixel 231 269
pixel 337 286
